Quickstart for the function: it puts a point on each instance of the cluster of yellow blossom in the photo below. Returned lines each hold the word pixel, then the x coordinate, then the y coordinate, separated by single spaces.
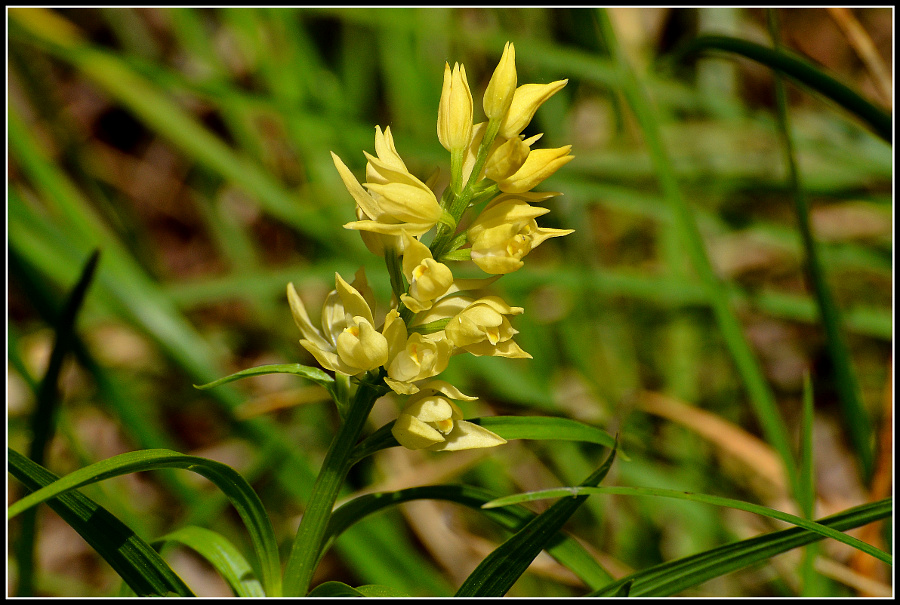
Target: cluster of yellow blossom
pixel 433 316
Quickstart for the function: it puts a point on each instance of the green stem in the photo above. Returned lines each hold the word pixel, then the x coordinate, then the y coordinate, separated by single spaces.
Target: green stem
pixel 458 203
pixel 306 550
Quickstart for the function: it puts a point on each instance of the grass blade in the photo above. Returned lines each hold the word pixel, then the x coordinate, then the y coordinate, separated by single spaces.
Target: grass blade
pixel 675 576
pixel 496 574
pixel 238 491
pixel 43 419
pixel 134 560
pixel 313 374
pixel 705 498
pixel 221 554
pixel 803 72
pixel 856 419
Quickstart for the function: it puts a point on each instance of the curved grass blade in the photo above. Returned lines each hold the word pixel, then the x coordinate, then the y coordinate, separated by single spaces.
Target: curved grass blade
pixel 508 427
pixel 312 374
pixel 496 574
pixel 232 484
pixel 339 589
pixel 803 72
pixel 675 576
pixel 221 554
pixel 705 498
pixel 134 560
pixel 43 419
pixel 562 548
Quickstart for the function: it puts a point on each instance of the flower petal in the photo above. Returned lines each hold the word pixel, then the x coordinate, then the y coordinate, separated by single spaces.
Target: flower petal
pixel 466 436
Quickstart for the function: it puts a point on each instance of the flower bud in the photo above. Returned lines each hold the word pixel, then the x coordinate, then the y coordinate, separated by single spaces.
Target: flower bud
pixel 508 158
pixel 540 164
pixel 500 90
pixel 428 279
pixel 482 329
pixel 454 126
pixel 504 233
pixel 432 421
pixel 525 103
pixel 421 357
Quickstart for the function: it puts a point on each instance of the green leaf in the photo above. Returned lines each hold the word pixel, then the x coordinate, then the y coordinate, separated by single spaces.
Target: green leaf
pixel 334 589
pixel 496 574
pixel 134 560
pixel 562 548
pixel 235 487
pixel 705 498
pixel 675 576
pixel 339 589
pixel 221 554
pixel 312 374
pixel 508 427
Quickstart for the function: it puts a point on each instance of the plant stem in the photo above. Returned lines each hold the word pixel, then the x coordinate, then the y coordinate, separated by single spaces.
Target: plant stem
pixel 306 550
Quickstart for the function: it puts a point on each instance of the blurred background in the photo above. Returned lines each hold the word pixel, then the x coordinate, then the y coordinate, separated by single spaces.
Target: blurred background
pixel 191 146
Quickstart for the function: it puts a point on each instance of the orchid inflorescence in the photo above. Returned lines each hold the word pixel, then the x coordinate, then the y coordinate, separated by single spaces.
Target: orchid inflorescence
pixel 433 314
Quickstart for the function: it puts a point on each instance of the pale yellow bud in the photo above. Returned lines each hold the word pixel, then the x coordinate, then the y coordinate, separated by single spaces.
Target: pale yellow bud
pixel 482 329
pixel 360 346
pixel 454 125
pixel 525 103
pixel 428 279
pixel 432 421
pixel 541 164
pixel 500 90
pixel 504 233
pixel 421 357
pixel 508 158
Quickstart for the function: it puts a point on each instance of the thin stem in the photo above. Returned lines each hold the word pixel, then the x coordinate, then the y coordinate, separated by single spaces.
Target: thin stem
pixel 306 550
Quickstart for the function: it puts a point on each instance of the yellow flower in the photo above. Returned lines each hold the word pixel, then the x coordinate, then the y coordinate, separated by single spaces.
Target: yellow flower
pixel 428 279
pixel 525 103
pixel 540 164
pixel 348 343
pixel 500 90
pixel 505 232
pixel 412 357
pixel 508 157
pixel 396 200
pixel 431 421
pixel 454 125
pixel 481 328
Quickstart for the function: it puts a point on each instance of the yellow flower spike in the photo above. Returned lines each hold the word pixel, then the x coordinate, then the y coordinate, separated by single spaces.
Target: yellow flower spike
pixel 454 125
pixel 540 165
pixel 500 90
pixel 505 232
pixel 483 329
pixel 347 343
pixel 526 101
pixel 428 279
pixel 432 421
